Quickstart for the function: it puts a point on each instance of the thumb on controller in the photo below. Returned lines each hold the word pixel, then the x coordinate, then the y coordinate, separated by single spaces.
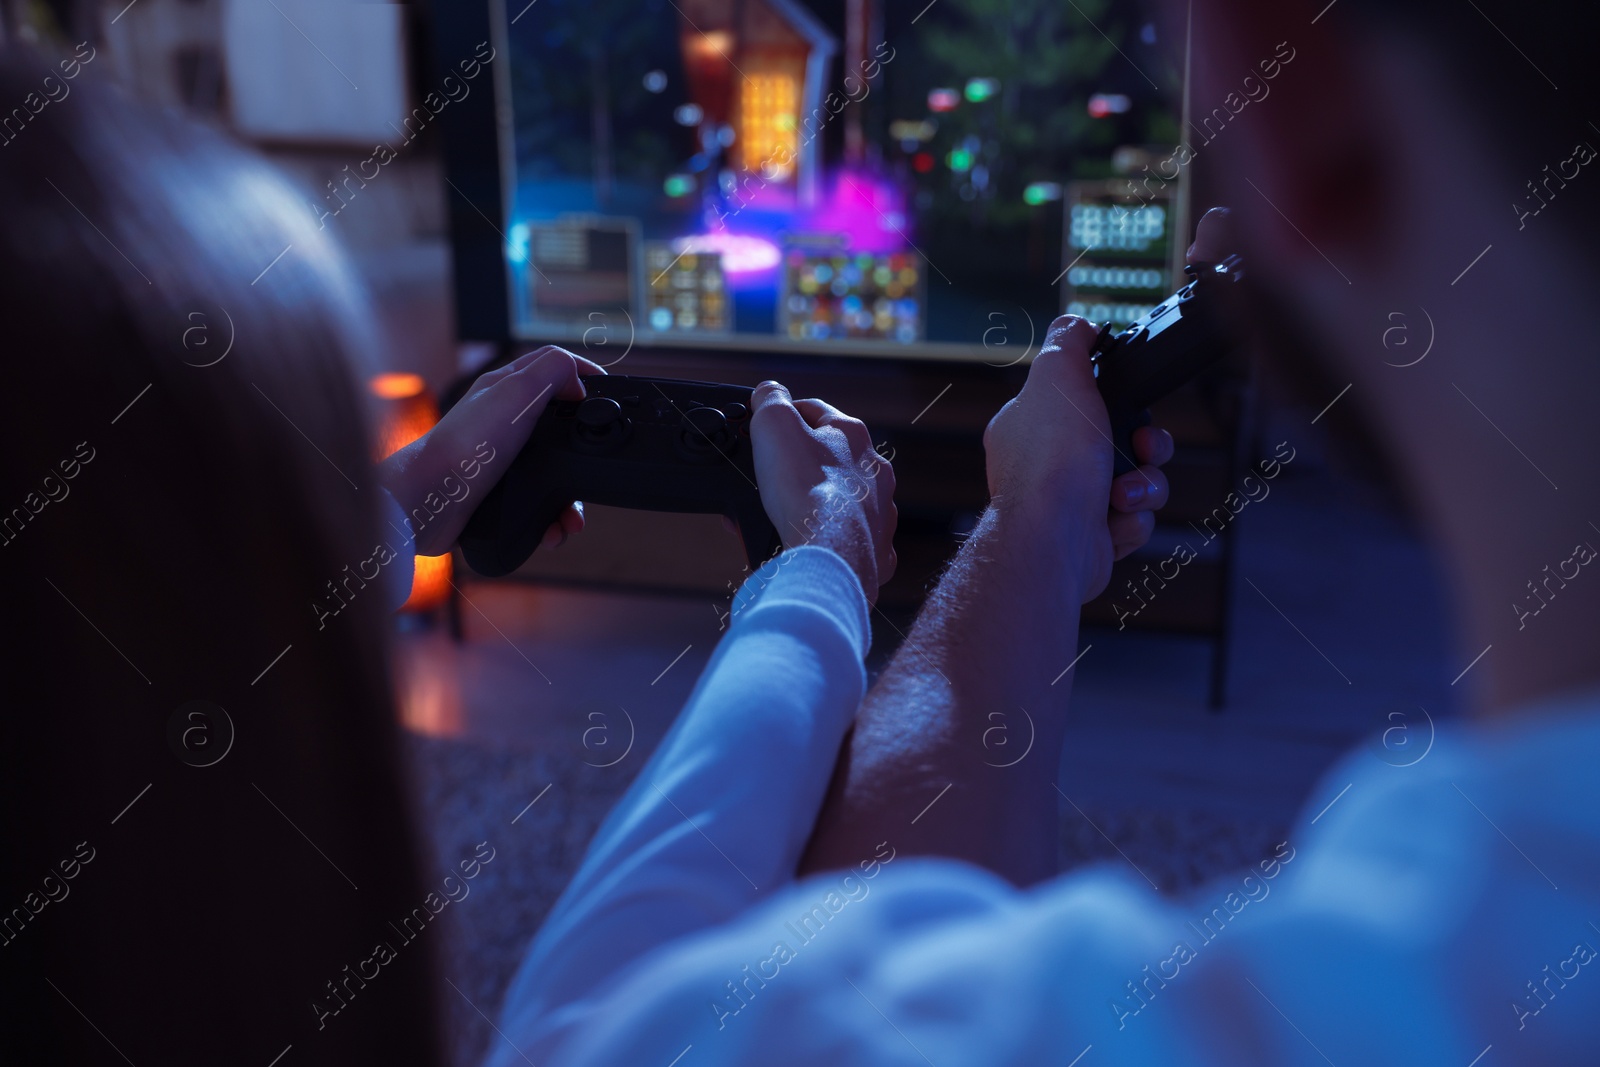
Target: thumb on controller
pixel 1063 363
pixel 772 408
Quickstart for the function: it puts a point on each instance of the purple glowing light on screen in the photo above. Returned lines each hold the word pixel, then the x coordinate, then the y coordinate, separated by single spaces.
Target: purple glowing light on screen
pixel 862 212
pixel 869 212
pixel 741 253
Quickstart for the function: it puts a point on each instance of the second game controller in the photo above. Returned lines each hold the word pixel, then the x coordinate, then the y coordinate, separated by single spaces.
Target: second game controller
pixel 1180 337
pixel 654 444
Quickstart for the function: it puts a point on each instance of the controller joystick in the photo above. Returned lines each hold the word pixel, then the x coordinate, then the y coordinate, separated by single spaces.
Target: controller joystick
pixel 1176 340
pixel 705 432
pixel 646 443
pixel 598 423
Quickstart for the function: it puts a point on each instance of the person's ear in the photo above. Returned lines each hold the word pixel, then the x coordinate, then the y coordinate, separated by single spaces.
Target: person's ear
pixel 1311 157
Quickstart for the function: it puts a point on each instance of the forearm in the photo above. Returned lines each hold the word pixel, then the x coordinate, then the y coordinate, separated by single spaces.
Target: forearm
pixel 720 814
pixel 978 682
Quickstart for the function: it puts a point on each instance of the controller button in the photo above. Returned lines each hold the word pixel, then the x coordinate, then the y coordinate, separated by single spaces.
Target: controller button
pixel 735 412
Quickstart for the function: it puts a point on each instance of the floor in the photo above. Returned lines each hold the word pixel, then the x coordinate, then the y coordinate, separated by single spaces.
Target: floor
pixel 525 733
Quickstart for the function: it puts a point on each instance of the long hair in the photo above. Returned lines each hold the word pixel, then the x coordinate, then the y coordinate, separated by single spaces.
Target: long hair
pixel 184 467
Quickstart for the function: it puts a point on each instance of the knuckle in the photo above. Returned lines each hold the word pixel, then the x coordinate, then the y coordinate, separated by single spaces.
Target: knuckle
pixel 1065 324
pixel 1068 331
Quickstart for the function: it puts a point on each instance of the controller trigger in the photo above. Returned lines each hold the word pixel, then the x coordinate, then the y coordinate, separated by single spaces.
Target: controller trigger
pixel 1102 340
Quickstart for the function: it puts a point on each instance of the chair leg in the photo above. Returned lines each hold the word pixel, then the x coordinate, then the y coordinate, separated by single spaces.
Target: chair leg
pixel 1219 671
pixel 1246 435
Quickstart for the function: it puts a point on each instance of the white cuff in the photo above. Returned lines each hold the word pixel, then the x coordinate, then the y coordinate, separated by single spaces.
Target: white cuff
pixel 818 578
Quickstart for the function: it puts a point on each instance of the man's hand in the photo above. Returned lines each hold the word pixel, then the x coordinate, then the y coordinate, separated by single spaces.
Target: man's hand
pixel 998 637
pixel 1050 449
pixel 499 412
pixel 823 484
pixel 1049 459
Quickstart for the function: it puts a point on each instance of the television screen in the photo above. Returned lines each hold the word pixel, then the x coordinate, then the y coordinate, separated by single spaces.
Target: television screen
pixel 844 176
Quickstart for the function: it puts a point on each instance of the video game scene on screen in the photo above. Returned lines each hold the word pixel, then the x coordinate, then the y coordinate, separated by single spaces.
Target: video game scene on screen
pixel 759 175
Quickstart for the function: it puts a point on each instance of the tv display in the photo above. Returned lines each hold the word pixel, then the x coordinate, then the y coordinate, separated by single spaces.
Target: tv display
pixel 841 176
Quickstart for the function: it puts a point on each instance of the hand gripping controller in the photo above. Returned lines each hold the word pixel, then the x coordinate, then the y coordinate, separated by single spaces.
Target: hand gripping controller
pixel 1180 337
pixel 647 443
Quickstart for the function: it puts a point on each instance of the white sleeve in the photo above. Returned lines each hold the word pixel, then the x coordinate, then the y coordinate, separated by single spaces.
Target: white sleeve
pixel 1415 919
pixel 719 816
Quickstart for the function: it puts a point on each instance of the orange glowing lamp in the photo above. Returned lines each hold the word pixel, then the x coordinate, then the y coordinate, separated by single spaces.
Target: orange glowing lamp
pixel 406 412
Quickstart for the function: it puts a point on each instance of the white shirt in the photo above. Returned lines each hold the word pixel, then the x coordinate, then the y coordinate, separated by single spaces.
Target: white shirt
pixel 1434 911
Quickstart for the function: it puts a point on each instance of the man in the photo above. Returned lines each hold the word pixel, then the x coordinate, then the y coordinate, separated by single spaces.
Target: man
pixel 1442 913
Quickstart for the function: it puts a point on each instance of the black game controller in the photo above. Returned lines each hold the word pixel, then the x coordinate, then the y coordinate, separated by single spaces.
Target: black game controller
pixel 649 443
pixel 1180 337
